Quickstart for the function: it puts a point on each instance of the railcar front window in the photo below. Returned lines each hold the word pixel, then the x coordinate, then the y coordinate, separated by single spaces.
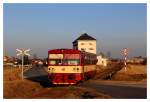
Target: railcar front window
pixel 55 61
pixel 66 59
pixel 71 61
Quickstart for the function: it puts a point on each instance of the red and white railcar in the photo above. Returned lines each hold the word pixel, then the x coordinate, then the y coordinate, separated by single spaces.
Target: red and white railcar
pixel 70 66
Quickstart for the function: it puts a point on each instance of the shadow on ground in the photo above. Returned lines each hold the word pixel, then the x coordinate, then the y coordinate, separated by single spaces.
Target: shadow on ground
pixel 43 80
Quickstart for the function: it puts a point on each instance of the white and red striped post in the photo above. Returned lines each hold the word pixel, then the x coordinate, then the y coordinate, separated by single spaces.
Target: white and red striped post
pixel 125 62
pixel 125 52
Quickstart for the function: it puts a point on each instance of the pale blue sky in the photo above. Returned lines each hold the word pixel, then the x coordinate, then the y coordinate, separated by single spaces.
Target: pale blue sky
pixel 47 26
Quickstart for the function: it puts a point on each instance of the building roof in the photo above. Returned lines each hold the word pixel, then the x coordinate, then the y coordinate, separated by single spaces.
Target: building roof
pixel 84 36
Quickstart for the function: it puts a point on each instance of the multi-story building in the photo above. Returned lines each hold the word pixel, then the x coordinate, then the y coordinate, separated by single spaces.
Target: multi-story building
pixel 85 43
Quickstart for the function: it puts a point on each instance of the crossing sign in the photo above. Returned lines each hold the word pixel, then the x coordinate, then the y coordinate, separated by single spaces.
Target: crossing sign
pixel 22 52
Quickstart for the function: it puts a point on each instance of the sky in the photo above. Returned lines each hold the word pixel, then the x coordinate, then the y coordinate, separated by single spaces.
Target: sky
pixel 42 27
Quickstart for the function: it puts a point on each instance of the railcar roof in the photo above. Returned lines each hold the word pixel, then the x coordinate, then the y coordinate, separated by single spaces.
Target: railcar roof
pixel 69 51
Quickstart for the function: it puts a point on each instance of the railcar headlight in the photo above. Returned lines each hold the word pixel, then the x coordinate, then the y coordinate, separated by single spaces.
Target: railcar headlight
pixel 75 69
pixel 63 69
pixel 49 69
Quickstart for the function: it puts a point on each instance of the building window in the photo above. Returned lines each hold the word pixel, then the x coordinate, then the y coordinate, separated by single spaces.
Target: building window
pixel 82 43
pixel 91 49
pixel 90 44
pixel 82 49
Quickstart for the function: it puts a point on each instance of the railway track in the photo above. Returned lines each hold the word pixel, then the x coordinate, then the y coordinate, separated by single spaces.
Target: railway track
pixel 40 74
pixel 108 72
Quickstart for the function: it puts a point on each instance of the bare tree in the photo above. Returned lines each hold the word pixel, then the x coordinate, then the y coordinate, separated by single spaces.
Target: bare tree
pixel 109 54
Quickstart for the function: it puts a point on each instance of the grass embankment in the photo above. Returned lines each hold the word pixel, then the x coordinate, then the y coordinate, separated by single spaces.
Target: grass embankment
pixel 132 73
pixel 20 89
pixel 14 87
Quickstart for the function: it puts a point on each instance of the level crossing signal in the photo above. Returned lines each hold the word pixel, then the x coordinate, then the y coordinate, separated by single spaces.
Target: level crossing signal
pixel 125 52
pixel 22 52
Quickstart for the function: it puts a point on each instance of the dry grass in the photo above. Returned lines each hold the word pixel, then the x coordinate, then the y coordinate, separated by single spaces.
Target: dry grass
pixel 133 73
pixel 11 74
pixel 20 89
pixel 135 69
pixel 14 87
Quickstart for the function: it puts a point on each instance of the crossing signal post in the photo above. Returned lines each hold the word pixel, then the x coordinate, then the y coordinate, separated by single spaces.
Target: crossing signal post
pixel 22 52
pixel 125 53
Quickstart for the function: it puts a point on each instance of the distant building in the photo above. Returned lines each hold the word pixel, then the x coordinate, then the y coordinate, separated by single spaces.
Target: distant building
pixel 136 60
pixel 5 58
pixel 85 43
pixel 102 61
pixel 9 61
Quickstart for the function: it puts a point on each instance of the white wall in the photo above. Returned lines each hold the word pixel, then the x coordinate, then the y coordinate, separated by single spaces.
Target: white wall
pixel 102 61
pixel 87 45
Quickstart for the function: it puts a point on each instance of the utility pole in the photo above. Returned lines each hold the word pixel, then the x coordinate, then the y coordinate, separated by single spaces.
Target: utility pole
pixel 22 52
